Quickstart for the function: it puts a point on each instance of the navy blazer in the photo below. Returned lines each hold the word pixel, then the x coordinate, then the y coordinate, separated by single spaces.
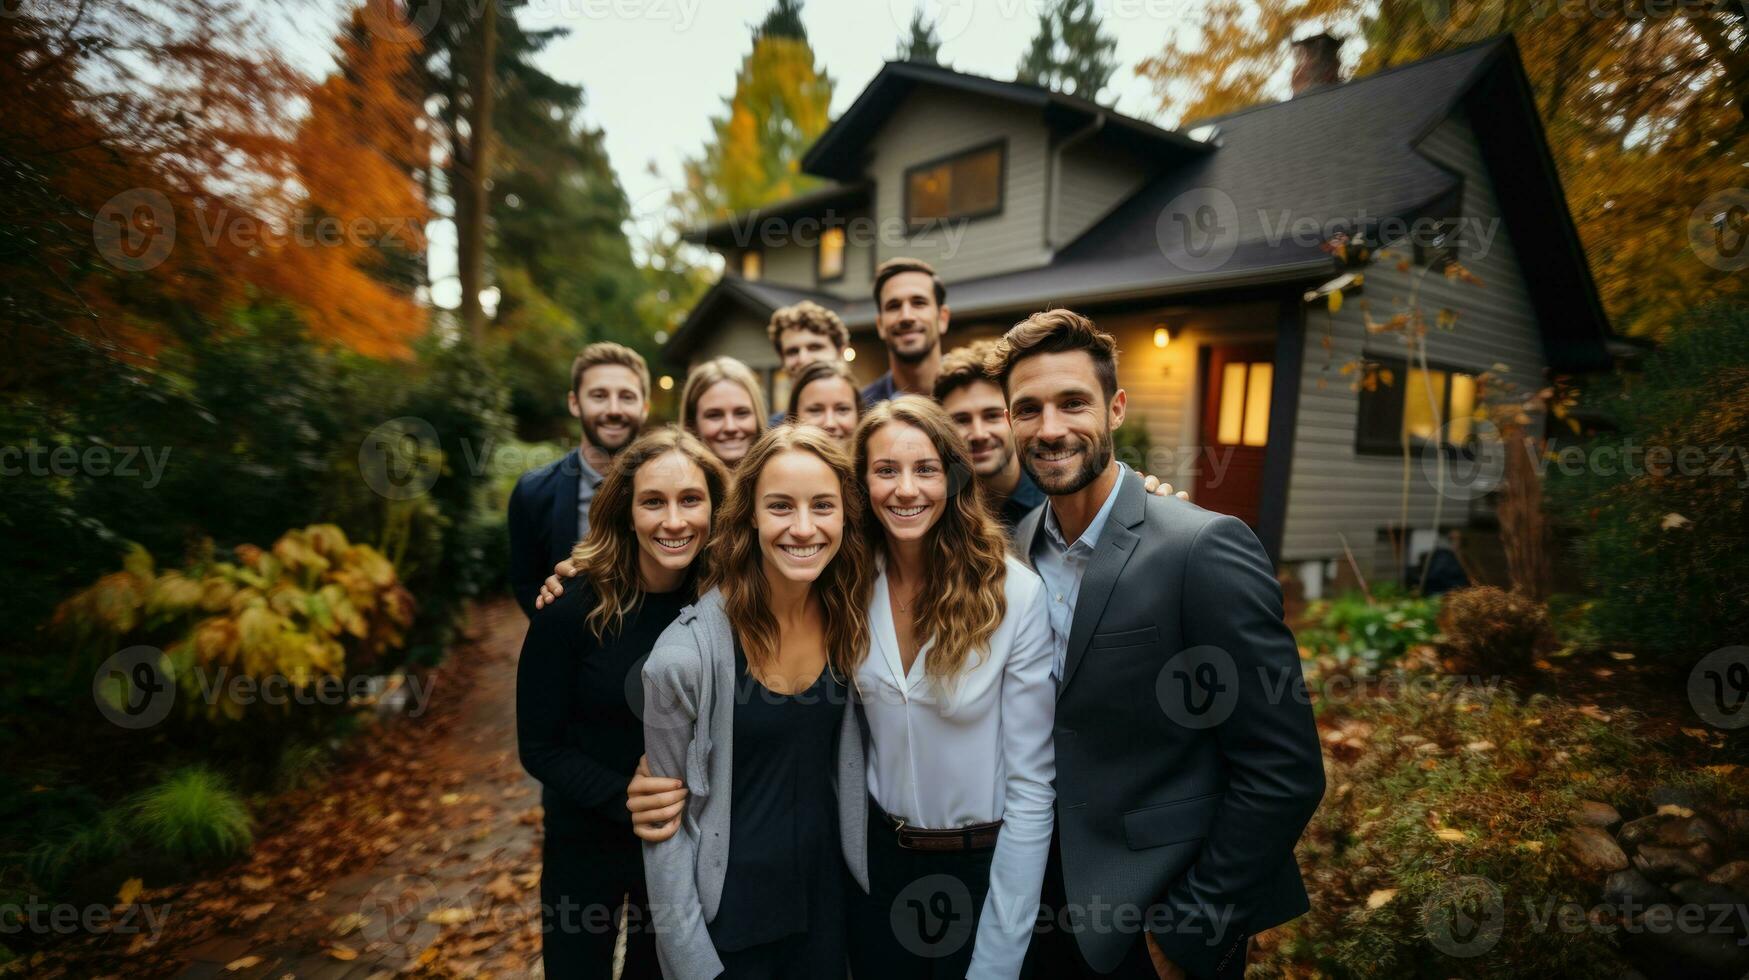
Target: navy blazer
pixel 543 525
pixel 1187 760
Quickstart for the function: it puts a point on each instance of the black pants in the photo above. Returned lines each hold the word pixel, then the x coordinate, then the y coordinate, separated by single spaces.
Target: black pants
pixel 920 916
pixel 584 881
pixel 817 954
pixel 1055 955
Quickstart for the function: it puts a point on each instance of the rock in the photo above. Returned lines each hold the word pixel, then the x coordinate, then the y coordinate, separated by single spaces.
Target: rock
pixel 1734 876
pixel 1594 814
pixel 1694 891
pixel 1631 886
pixel 1689 831
pixel 1736 823
pixel 1641 830
pixel 1594 850
pixel 1672 951
pixel 1705 855
pixel 1666 863
pixel 1674 796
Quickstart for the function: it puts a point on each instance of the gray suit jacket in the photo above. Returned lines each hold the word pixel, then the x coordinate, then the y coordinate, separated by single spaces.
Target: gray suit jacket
pixel 689 727
pixel 1187 760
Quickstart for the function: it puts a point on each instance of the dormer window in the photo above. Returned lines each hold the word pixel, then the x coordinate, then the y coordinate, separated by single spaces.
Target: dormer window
pixel 965 185
pixel 752 264
pixel 830 264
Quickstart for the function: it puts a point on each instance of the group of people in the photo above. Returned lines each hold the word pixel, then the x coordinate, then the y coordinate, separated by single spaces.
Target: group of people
pixel 850 689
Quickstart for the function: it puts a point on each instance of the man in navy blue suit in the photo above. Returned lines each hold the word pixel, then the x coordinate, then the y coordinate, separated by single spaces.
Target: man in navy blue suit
pixel 549 509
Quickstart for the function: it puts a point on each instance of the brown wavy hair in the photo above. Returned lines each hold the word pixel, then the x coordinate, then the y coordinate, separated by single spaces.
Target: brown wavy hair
pixel 705 375
pixel 608 555
pixel 965 553
pixel 737 564
pixel 820 371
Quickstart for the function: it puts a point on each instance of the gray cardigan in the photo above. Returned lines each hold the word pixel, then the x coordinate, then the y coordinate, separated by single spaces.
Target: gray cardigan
pixel 689 725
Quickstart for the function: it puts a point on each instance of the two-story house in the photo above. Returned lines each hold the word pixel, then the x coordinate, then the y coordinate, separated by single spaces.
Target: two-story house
pixel 1203 252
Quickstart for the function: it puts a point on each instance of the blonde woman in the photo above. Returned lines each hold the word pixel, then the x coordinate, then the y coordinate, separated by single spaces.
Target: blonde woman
pixel 577 732
pixel 723 405
pixel 958 696
pixel 745 698
pixel 825 395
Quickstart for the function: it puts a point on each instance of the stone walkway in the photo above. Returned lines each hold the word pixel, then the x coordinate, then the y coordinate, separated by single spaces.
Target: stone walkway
pixel 458 892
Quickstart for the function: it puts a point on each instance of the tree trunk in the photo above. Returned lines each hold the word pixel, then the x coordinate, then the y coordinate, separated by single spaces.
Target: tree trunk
pixel 474 193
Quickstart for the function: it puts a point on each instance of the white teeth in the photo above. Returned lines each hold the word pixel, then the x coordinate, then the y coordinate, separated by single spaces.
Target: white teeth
pixel 906 511
pixel 797 552
pixel 1056 456
pixel 674 543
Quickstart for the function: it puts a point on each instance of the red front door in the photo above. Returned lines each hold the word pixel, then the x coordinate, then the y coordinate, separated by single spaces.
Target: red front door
pixel 1236 384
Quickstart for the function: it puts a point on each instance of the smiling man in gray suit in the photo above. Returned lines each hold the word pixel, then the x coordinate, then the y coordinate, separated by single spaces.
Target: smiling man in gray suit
pixel 1187 760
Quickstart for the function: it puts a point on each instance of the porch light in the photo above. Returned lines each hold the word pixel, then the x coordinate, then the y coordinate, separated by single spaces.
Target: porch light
pixel 850 353
pixel 666 382
pixel 1162 337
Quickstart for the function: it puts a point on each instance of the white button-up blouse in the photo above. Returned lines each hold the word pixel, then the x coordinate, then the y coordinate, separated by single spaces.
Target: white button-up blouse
pixel 978 750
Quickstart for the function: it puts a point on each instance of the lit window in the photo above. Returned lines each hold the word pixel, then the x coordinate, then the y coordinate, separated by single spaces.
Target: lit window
pixel 1244 408
pixel 1438 406
pixel 965 186
pixel 831 254
pixel 752 265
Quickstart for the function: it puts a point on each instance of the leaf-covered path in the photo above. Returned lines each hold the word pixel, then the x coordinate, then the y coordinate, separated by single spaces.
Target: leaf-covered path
pixel 419 855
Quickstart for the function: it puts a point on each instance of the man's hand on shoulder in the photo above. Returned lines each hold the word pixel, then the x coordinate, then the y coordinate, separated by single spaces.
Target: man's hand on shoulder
pixel 554 586
pixel 1160 488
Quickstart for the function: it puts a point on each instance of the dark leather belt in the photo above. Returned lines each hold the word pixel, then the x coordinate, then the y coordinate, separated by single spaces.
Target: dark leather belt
pixel 972 837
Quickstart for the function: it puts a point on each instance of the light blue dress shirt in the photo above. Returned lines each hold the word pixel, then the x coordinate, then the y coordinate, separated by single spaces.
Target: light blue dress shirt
pixel 588 481
pixel 1062 564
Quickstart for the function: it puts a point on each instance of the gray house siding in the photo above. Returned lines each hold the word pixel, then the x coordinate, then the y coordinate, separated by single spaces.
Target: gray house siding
pixel 1336 492
pixel 1092 180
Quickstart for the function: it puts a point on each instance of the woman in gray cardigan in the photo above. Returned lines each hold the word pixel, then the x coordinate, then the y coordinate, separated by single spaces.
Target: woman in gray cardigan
pixel 745 699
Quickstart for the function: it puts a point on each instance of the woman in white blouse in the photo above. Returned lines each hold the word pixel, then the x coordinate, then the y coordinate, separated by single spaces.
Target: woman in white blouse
pixel 958 698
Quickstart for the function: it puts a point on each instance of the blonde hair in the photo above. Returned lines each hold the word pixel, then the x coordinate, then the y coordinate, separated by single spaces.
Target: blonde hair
pixel 608 555
pixel 737 561
pixel 707 373
pixel 965 554
pixel 607 352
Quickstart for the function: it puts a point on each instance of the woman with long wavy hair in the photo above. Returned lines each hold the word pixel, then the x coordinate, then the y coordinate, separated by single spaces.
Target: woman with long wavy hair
pixel 578 731
pixel 959 701
pixel 745 699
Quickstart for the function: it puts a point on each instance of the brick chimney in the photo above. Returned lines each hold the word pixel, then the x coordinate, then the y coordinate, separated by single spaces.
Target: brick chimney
pixel 1317 62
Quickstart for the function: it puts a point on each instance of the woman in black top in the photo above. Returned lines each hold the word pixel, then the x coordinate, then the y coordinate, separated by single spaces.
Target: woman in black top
pixel 579 700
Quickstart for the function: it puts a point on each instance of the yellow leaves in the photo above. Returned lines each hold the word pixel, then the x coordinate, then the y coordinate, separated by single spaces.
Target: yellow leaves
pixel 242 963
pixel 130 890
pixel 1450 835
pixel 1674 521
pixel 1335 301
pixel 1379 898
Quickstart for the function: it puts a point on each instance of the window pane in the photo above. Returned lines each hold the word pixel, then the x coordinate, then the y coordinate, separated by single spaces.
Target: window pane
pixel 752 264
pixel 831 253
pixel 1232 404
pixel 929 194
pixel 1381 408
pixel 976 184
pixel 1257 404
pixel 1463 408
pixel 1420 416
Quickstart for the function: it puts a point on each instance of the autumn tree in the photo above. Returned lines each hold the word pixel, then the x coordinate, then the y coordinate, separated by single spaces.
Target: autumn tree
pixel 778 108
pixel 1070 52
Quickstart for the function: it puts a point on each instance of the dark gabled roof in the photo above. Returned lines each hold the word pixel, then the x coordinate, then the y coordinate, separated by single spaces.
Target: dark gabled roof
pixel 838 153
pixel 1345 157
pixel 743 230
pixel 758 298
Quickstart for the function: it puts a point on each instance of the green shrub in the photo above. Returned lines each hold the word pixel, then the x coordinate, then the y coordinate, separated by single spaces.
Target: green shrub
pixel 1492 631
pixel 1665 550
pixel 1363 636
pixel 192 815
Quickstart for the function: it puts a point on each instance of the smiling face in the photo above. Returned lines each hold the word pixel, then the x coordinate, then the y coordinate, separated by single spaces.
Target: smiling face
pixel 671 515
pixel 610 402
pixel 910 321
pixel 829 403
pixel 981 414
pixel 907 481
pixel 726 421
pixel 800 348
pixel 798 513
pixel 1062 423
